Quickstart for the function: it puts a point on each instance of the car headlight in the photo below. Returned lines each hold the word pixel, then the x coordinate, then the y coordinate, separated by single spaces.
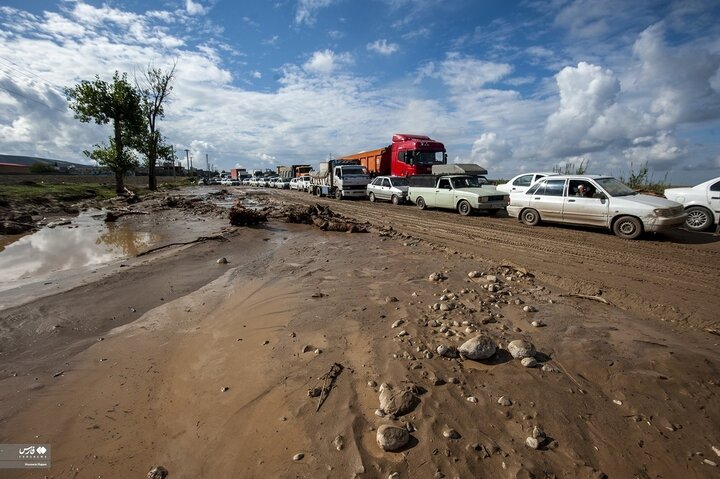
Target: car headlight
pixel 483 199
pixel 663 212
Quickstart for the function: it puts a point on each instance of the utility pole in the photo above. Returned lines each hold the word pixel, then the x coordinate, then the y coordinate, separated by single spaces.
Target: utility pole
pixel 207 161
pixel 172 153
pixel 187 157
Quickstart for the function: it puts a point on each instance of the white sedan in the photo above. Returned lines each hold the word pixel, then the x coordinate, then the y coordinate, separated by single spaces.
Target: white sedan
pixel 701 202
pixel 592 200
pixel 521 183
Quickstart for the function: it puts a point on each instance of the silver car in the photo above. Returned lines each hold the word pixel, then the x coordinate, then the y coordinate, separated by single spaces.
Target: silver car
pixel 390 188
pixel 594 200
pixel 521 183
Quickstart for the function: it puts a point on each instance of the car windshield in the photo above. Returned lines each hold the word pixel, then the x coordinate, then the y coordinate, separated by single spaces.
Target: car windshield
pixel 615 187
pixel 468 181
pixel 400 182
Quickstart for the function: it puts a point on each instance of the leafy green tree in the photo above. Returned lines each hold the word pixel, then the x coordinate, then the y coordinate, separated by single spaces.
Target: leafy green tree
pixel 154 89
pixel 117 102
pixel 40 167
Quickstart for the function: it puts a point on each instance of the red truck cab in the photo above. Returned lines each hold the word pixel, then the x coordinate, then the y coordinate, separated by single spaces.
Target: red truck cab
pixel 407 155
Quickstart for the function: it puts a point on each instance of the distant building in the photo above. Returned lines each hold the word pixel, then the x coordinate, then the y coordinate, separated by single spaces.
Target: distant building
pixel 14 169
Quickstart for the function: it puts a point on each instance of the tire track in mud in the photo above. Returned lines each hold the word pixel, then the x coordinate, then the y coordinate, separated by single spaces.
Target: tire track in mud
pixel 656 277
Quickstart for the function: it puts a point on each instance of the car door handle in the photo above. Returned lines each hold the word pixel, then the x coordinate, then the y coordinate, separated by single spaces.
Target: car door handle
pixel 571 201
pixel 715 197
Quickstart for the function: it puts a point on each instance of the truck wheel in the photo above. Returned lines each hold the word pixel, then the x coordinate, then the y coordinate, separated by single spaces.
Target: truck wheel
pixel 627 227
pixel 698 218
pixel 395 200
pixel 464 208
pixel 371 197
pixel 420 202
pixel 317 191
pixel 338 194
pixel 530 217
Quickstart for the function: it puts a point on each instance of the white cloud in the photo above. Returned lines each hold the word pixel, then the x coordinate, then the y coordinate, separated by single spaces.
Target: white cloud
pixel 256 74
pixel 307 9
pixel 326 61
pixel 489 150
pixel 383 47
pixel 195 8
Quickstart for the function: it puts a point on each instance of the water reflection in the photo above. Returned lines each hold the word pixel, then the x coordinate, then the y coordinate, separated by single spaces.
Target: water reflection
pixel 87 242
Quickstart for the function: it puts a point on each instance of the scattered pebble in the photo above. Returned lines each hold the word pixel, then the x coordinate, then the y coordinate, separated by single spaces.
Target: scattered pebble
pixel 532 443
pixel 451 434
pixel 521 348
pixel 710 463
pixel 538 324
pixel 372 384
pixel 530 309
pixel 298 456
pixel 392 438
pixel 379 413
pixel 222 260
pixel 307 348
pixel 339 442
pixel 397 323
pixel 505 401
pixel 391 299
pixel 618 402
pixel 224 389
pixel 472 399
pixel 157 472
pixel 402 333
pixel 394 475
pixel 529 362
pixel 474 274
pixel 318 351
pixel 550 369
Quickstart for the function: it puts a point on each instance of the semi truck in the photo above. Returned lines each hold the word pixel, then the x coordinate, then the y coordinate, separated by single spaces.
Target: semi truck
pixel 407 155
pixel 293 171
pixel 339 178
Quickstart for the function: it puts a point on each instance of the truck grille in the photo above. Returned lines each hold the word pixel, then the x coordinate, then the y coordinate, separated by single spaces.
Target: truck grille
pixel 497 198
pixel 354 187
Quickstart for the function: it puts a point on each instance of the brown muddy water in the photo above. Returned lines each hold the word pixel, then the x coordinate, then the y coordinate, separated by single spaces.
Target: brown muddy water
pixel 87 241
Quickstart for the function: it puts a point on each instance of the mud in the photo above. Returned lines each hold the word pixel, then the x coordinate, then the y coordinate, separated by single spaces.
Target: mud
pixel 209 378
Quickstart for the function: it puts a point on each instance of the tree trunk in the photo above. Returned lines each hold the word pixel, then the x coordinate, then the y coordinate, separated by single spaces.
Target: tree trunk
pixel 119 183
pixel 119 180
pixel 152 179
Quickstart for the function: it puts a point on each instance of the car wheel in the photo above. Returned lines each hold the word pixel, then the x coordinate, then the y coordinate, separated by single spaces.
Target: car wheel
pixel 371 197
pixel 338 194
pixel 395 200
pixel 698 218
pixel 420 202
pixel 530 217
pixel 627 227
pixel 464 208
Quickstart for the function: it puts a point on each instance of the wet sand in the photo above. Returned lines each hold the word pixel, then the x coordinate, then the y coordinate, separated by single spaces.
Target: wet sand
pixel 631 399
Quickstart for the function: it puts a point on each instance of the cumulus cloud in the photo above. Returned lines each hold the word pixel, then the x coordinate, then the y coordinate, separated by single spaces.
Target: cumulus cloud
pixel 383 47
pixel 307 9
pixel 326 61
pixel 489 150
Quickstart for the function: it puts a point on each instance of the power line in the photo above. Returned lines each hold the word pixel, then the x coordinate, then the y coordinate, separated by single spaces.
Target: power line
pixel 27 73
pixel 31 99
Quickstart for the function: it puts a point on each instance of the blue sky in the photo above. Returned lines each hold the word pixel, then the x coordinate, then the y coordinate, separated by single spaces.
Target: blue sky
pixel 513 86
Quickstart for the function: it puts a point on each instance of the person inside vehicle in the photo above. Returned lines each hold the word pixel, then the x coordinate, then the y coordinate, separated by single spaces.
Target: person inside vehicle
pixel 584 191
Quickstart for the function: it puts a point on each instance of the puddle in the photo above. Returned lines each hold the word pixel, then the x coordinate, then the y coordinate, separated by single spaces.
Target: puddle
pixel 87 241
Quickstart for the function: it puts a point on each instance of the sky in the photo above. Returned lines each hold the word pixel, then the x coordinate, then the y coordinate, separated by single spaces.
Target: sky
pixel 515 86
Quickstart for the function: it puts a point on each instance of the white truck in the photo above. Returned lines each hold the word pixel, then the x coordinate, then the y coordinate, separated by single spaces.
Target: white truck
pixel 339 178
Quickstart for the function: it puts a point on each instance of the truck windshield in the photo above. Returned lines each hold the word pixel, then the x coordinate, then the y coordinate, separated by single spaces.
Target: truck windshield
pixel 353 170
pixel 469 181
pixel 429 157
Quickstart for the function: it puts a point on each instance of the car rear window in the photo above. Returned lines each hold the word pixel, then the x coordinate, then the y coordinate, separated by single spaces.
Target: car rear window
pixel 551 188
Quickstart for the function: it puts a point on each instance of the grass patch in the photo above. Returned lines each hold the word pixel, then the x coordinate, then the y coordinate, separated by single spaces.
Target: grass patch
pixel 34 192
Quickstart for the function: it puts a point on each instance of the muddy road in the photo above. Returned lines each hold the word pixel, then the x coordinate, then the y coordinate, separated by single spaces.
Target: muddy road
pixel 672 276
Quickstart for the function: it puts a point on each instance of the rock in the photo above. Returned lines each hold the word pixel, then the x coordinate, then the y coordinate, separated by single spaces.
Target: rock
pixel 391 438
pixel 454 380
pixel 472 399
pixel 529 362
pixel 397 323
pixel 479 347
pixel 307 348
pixel 709 462
pixel 157 472
pixel 538 324
pixel 339 443
pixel 447 351
pixel 451 434
pixel 394 475
pixel 298 456
pixel 314 392
pixel 222 260
pixel 372 384
pixel 379 413
pixel 491 278
pixel 505 401
pixel 444 307
pixel 532 443
pixel 391 299
pixel 435 307
pixel 550 369
pixel 318 351
pixel 538 433
pixel 224 389
pixel 529 309
pixel 435 277
pixel 474 274
pixel 520 348
pixel 402 333
pixel 397 403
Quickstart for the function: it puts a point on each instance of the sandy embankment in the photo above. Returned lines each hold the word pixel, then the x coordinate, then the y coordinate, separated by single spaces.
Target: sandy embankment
pixel 631 399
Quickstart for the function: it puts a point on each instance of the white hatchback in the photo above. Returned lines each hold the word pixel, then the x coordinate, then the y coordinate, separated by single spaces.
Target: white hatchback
pixel 702 203
pixel 593 200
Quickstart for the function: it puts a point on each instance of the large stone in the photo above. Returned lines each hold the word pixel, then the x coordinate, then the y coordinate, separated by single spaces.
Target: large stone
pixel 447 351
pixel 479 347
pixel 397 402
pixel 391 438
pixel 520 348
pixel 157 472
